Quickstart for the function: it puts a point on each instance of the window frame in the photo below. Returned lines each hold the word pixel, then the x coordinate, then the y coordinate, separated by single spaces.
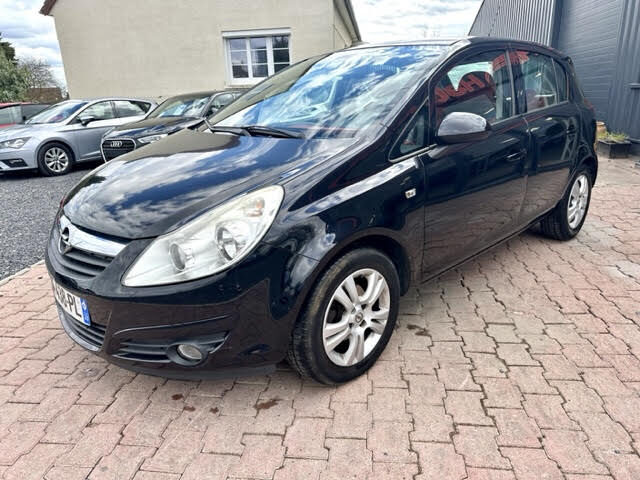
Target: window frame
pixel 519 76
pixel 458 59
pixel 135 102
pixel 76 118
pixel 246 35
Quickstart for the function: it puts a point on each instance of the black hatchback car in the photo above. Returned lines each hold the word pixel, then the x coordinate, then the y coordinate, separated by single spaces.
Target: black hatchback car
pixel 289 224
pixel 171 116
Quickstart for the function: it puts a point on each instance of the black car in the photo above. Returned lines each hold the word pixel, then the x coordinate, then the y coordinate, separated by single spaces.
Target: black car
pixel 290 225
pixel 169 117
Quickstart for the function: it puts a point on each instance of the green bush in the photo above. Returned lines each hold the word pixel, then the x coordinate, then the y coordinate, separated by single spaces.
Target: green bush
pixel 13 81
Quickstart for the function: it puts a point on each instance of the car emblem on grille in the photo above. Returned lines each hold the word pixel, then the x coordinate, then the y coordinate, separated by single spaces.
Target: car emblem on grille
pixel 64 246
pixel 116 143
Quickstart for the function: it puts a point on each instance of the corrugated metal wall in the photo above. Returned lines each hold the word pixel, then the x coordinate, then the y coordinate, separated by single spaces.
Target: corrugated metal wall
pixel 529 20
pixel 624 108
pixel 588 33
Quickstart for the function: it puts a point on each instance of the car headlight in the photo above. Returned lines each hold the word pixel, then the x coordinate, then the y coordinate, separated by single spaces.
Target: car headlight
pixel 152 138
pixel 208 244
pixel 14 143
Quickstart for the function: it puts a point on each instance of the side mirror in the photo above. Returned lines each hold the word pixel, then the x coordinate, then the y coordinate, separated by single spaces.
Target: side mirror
pixel 86 120
pixel 463 127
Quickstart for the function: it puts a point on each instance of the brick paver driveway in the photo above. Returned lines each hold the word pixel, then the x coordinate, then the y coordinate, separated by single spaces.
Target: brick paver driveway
pixel 523 364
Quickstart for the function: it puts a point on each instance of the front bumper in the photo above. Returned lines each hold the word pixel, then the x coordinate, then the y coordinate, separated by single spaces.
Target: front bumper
pixel 241 318
pixel 17 159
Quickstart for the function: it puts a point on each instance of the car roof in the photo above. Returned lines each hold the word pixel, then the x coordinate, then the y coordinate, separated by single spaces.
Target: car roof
pixel 103 99
pixel 13 104
pixel 460 42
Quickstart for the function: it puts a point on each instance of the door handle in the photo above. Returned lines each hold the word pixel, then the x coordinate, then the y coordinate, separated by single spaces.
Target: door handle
pixel 514 157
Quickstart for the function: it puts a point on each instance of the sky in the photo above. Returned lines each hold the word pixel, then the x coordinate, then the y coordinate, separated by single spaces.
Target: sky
pixel 34 35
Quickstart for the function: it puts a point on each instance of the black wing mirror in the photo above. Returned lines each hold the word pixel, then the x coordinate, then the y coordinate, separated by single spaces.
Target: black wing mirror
pixel 463 127
pixel 87 120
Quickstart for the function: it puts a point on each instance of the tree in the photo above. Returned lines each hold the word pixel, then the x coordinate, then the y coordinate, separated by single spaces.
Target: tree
pixel 38 73
pixel 13 81
pixel 8 50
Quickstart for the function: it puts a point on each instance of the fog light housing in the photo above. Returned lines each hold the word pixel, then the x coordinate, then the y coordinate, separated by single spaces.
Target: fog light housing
pixel 189 352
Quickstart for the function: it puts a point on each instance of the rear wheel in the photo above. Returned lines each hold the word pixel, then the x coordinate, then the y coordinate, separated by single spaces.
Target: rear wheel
pixel 349 319
pixel 566 219
pixel 55 159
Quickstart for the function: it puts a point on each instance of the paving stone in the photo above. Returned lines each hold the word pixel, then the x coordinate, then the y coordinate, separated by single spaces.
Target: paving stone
pixel 625 410
pixel 431 423
pixel 305 438
pixel 530 380
pixel 389 442
pixel 570 452
pixel 21 438
pixel 622 466
pixel 558 367
pixel 532 464
pixel 605 382
pixel 68 426
pixel 516 428
pixel 603 433
pixel 388 404
pixel 356 390
pixel 146 429
pixel 122 462
pixel 297 469
pixel 348 459
pixel 439 461
pixel 466 408
pixel 350 420
pixel 548 412
pixel 176 452
pixel 500 393
pixel 578 397
pixel 426 389
pixel 457 377
pixel 489 474
pixel 34 464
pixel 393 471
pixel 262 456
pixel 224 436
pixel 478 447
pixel 96 442
pixel 71 473
pixel 208 465
pixel 313 402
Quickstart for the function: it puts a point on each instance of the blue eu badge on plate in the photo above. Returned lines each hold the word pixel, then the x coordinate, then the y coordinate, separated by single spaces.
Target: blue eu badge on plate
pixel 86 319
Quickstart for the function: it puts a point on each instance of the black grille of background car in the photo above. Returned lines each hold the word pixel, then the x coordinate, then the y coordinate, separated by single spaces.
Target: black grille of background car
pixel 113 148
pixel 80 263
pixel 157 351
pixel 92 334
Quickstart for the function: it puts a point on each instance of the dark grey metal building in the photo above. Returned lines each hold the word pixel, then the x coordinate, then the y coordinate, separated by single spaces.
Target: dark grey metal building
pixel 601 36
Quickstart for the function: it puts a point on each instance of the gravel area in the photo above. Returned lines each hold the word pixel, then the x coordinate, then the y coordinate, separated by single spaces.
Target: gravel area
pixel 29 205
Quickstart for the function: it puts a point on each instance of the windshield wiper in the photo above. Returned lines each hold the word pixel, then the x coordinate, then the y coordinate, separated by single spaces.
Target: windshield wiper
pixel 271 131
pixel 235 130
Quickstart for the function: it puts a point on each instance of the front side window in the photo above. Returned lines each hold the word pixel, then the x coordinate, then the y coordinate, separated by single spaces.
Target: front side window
pixel 181 107
pixel 538 80
pixel 127 108
pixel 99 111
pixel 254 58
pixel 480 84
pixel 10 115
pixel 58 112
pixel 337 95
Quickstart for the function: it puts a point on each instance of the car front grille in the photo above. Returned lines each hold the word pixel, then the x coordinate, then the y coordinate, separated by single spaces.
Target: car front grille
pixel 81 254
pixel 158 351
pixel 115 147
pixel 91 335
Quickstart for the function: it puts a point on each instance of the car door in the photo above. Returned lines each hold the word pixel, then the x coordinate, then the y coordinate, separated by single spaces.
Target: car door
pixel 541 89
pixel 86 135
pixel 473 190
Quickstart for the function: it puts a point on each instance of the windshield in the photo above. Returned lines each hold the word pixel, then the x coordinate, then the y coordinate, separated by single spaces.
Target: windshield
pixel 340 94
pixel 58 112
pixel 181 107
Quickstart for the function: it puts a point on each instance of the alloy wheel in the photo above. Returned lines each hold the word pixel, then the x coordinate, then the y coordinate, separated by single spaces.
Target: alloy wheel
pixel 56 159
pixel 356 317
pixel 578 199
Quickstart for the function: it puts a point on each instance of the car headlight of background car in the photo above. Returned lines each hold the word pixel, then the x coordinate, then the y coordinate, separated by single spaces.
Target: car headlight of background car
pixel 152 138
pixel 14 143
pixel 208 244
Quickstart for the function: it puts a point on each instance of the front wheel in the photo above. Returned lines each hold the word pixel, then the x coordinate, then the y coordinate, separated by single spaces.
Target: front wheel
pixel 566 219
pixel 350 317
pixel 55 159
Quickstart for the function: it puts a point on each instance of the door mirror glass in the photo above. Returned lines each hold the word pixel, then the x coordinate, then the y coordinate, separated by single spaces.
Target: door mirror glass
pixel 86 120
pixel 462 127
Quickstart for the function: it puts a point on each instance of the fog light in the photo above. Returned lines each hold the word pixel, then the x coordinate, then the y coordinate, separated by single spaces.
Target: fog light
pixel 189 352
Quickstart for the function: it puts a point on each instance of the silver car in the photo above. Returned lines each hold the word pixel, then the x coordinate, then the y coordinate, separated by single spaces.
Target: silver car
pixel 66 133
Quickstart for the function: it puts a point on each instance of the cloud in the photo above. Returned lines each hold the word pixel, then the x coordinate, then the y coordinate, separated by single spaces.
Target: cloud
pixel 31 34
pixel 387 20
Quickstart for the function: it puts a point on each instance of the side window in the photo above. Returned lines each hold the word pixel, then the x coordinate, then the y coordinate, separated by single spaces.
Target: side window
pixel 10 115
pixel 480 84
pixel 415 136
pixel 126 108
pixel 539 78
pixel 100 111
pixel 561 80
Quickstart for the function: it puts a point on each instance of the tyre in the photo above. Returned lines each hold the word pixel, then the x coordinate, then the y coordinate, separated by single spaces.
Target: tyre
pixel 55 159
pixel 349 318
pixel 566 219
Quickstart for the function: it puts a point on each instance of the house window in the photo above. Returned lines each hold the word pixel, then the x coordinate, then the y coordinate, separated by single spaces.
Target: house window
pixel 254 57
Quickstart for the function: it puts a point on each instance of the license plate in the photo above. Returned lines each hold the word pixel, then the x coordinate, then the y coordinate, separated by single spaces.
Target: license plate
pixel 72 304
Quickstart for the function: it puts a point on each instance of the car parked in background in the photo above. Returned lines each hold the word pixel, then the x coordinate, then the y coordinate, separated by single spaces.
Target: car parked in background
pixel 169 117
pixel 290 224
pixel 65 133
pixel 18 112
